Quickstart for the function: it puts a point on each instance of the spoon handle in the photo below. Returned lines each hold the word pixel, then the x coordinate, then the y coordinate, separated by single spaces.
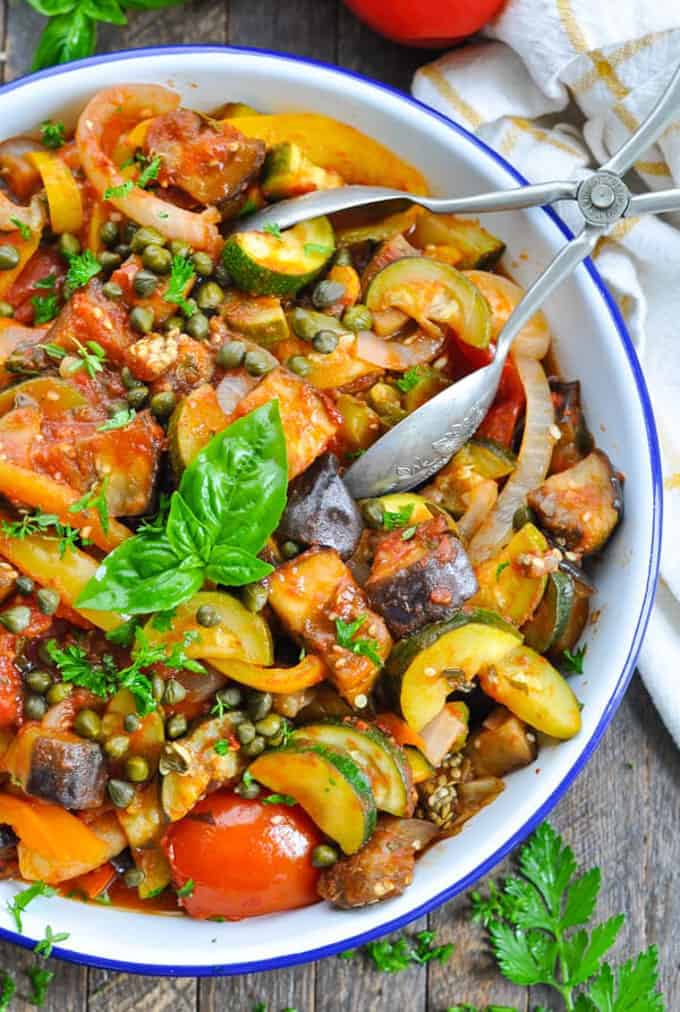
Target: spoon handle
pixel 503 200
pixel 664 111
pixel 659 202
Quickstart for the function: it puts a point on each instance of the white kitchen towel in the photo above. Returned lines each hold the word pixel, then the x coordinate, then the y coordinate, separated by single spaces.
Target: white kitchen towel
pixel 612 59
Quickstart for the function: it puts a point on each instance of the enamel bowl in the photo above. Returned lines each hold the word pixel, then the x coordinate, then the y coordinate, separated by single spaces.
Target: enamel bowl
pixel 591 344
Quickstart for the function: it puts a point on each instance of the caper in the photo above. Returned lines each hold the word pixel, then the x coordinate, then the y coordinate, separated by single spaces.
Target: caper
pixel 47 600
pixel 231 696
pixel 69 245
pixel 198 327
pixel 133 877
pixel 208 616
pixel 116 405
pixel 174 692
pixel 222 276
pixel 116 746
pixel 58 693
pixel 112 291
pixel 137 396
pixel 141 319
pixel 231 354
pixel 157 687
pixel 144 237
pixel 131 723
pixel 269 726
pixel 108 233
pixel 173 323
pixel 254 596
pixel 245 732
pixel 323 856
pixel 258 363
pixel 259 705
pixel 373 513
pixel 248 790
pixel 39 680
pixel 122 793
pixel 6 310
pixel 145 283
pixel 87 724
pixel 289 549
pixel 157 259
pixel 137 769
pixel 179 248
pixel 109 260
pixel 203 264
pixel 163 404
pixel 35 707
pixel 523 515
pixel 209 296
pixel 327 292
pixel 325 341
pixel 299 365
pixel 123 250
pixel 357 318
pixel 130 228
pixel 255 747
pixel 129 381
pixel 343 258
pixel 176 726
pixel 25 584
pixel 9 257
pixel 16 619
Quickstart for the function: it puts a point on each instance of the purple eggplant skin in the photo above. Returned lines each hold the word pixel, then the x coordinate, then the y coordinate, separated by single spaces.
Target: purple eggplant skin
pixel 320 510
pixel 8 842
pixel 70 773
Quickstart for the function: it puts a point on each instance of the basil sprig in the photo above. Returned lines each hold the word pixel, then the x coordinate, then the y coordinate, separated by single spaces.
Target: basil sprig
pixel 229 501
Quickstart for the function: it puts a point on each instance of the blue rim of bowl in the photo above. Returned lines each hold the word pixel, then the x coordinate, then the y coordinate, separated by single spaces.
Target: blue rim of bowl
pixel 282 962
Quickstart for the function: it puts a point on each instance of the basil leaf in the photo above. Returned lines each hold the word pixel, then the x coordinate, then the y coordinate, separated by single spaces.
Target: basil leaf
pixel 235 567
pixel 185 532
pixel 104 10
pixel 236 486
pixel 68 36
pixel 48 8
pixel 141 575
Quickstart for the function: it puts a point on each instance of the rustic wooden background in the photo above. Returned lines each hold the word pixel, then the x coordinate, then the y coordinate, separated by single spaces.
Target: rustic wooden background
pixel 622 813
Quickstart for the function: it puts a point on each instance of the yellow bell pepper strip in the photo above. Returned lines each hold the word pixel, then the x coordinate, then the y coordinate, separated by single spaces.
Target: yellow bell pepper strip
pixel 51 831
pixel 105 839
pixel 310 671
pixel 98 215
pixel 334 145
pixel 26 248
pixel 63 194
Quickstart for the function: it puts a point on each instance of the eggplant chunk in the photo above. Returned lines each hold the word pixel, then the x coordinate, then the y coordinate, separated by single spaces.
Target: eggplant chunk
pixel 503 743
pixel 8 842
pixel 420 580
pixel 575 440
pixel 67 770
pixel 580 507
pixel 321 511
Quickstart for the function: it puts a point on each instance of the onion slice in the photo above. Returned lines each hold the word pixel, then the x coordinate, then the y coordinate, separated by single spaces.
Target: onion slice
pixel 233 388
pixel 503 296
pixel 138 101
pixel 11 213
pixel 532 463
pixel 397 355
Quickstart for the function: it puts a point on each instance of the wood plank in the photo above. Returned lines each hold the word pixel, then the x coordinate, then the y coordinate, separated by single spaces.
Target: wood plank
pixel 24 27
pixel 124 992
pixel 168 26
pixel 67 992
pixel 281 989
pixel 305 27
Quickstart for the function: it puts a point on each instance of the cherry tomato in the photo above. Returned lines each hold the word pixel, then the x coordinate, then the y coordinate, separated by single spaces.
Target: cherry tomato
pixel 427 23
pixel 244 857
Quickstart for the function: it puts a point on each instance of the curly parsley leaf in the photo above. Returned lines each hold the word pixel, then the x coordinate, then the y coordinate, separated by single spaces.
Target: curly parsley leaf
pixel 573 660
pixel 121 190
pixel 40 978
pixel 53 134
pixel 410 379
pixel 44 947
pixel 18 904
pixel 45 308
pixel 398 955
pixel 82 267
pixel 181 273
pixel 7 990
pixel 345 634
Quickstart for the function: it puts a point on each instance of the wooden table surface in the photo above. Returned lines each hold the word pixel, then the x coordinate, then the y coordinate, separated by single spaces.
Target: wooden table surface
pixel 622 813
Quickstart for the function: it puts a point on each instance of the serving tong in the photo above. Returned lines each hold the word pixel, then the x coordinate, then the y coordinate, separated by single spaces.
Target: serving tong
pixel 420 445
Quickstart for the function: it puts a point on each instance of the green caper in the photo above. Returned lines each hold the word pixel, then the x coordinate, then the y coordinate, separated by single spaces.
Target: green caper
pixel 69 245
pixel 357 318
pixel 173 323
pixel 231 696
pixel 108 233
pixel 343 258
pixel 299 365
pixel 137 769
pixel 137 396
pixel 269 726
pixel 259 705
pixel 245 732
pixel 9 257
pixel 131 723
pixel 209 296
pixel 112 291
pixel 25 584
pixel 248 790
pixel 222 276
pixel 198 326
pixel 35 707
pixel 130 228
pixel 141 319
pixel 122 793
pixel 123 250
pixel 323 856
pixel 203 264
pixel 109 260
pixel 16 619
pixel 523 515
pixel 58 693
pixel 39 680
pixel 145 283
pixel 47 600
pixel 231 354
pixel 289 549
pixel 325 342
pixel 176 726
pixel 255 747
pixel 237 716
pixel 327 293
pixel 254 596
pixel 179 248
pixel 157 259
pixel 133 877
pixel 258 363
pixel 157 687
pixel 129 381
pixel 6 310
pixel 144 237
pixel 116 746
pixel 87 724
pixel 163 404
pixel 208 616
pixel 373 513
pixel 174 692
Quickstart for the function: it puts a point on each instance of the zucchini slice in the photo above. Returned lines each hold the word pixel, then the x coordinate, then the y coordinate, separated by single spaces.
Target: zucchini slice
pixel 464 644
pixel 431 293
pixel 380 758
pixel 328 784
pixel 551 618
pixel 259 317
pixel 477 247
pixel 52 395
pixel 193 423
pixel 264 263
pixel 288 172
pixel 421 769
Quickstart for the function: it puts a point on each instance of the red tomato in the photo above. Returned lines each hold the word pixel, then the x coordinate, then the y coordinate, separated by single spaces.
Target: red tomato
pixel 427 23
pixel 42 264
pixel 244 857
pixel 502 417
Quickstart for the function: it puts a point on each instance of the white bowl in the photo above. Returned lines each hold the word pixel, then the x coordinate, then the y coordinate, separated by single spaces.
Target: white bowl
pixel 592 344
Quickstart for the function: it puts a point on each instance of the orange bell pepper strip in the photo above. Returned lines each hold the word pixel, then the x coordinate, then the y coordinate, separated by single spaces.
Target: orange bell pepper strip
pixel 310 671
pixel 51 831
pixel 399 729
pixel 26 248
pixel 93 883
pixel 63 194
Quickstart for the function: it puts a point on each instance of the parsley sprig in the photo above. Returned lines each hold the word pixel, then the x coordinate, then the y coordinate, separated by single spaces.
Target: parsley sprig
pixel 18 904
pixel 392 957
pixel 52 134
pixel 181 273
pixel 345 634
pixel 573 660
pixel 82 267
pixel 410 379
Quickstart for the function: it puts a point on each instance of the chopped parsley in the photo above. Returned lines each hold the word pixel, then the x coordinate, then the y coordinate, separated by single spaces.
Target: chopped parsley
pixel 345 633
pixel 44 947
pixel 397 518
pixel 124 634
pixel 573 661
pixel 119 420
pixel 279 799
pixel 82 268
pixel 149 172
pixel 92 358
pixel 181 273
pixel 40 978
pixel 187 889
pixel 273 229
pixel 410 379
pixel 18 904
pixel 53 134
pixel 95 499
pixel 48 281
pixel 222 746
pixel 45 308
pixel 162 620
pixel 393 957
pixel 38 523
pixel 25 230
pixel 7 990
pixel 116 192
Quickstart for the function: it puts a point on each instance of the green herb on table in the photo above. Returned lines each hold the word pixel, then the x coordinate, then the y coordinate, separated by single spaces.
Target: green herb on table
pixel 393 957
pixel 7 990
pixel 345 634
pixel 573 660
pixel 82 267
pixel 25 230
pixel 41 979
pixel 18 904
pixel 44 947
pixel 53 134
pixel 181 273
pixel 397 518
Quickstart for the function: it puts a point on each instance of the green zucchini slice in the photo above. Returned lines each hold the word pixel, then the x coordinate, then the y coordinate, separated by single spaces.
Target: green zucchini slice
pixel 265 263
pixel 478 248
pixel 421 769
pixel 551 618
